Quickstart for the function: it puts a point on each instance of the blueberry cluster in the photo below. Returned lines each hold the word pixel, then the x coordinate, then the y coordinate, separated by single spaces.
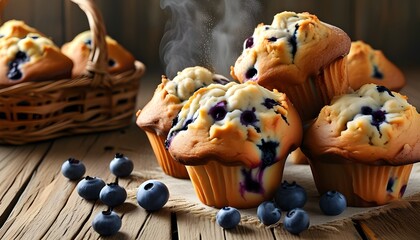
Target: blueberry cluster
pixel 152 195
pixel 289 197
pixel 107 222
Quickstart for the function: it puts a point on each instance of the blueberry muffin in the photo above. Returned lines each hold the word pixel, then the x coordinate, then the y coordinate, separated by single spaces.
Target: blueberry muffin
pixel 364 144
pixel 367 65
pixel 157 115
pixel 234 140
pixel 298 55
pixel 16 28
pixel 32 58
pixel 119 59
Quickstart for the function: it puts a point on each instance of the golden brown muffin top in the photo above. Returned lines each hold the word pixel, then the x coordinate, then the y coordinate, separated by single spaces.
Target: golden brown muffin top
pixel 235 124
pixel 16 28
pixel 367 65
pixel 119 58
pixel 171 95
pixel 32 58
pixel 294 47
pixel 372 125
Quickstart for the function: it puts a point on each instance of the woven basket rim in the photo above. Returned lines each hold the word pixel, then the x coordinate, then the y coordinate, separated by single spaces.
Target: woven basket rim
pixel 106 101
pixel 80 81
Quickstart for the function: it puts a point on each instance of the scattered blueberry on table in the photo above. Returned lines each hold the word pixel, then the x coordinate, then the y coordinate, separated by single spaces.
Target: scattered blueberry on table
pixel 268 213
pixel 152 195
pixel 296 221
pixel 332 203
pixel 90 187
pixel 228 217
pixel 107 223
pixel 73 169
pixel 289 196
pixel 121 166
pixel 113 195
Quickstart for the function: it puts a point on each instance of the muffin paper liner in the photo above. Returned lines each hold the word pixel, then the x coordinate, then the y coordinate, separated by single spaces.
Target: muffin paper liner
pixel 363 185
pixel 169 166
pixel 218 185
pixel 318 91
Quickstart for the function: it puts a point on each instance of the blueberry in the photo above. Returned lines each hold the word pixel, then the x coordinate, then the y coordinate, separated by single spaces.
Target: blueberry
pixel 382 89
pixel 251 73
pixel 107 223
pixel 249 183
pixel 121 166
pixel 269 103
pixel 366 110
pixel 173 133
pixel 111 62
pixel 14 72
pixel 248 117
pixel 268 213
pixel 272 39
pixel 89 187
pixel 289 196
pixel 249 42
pixel 378 117
pixel 377 73
pixel 152 195
pixel 269 152
pixel 220 80
pixel 73 169
pixel 218 111
pixel 390 185
pixel 113 195
pixel 228 217
pixel 293 41
pixel 88 42
pixel 332 203
pixel 296 221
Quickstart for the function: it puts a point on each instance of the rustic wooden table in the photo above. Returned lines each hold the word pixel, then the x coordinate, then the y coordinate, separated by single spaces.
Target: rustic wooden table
pixel 37 202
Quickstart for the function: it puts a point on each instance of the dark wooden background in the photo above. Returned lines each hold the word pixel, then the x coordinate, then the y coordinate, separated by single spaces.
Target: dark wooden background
pixel 389 25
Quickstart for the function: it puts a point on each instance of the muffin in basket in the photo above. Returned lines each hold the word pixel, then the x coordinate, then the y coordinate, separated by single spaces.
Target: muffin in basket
pixel 367 65
pixel 119 59
pixel 16 28
pixel 234 140
pixel 298 55
pixel 157 115
pixel 32 58
pixel 363 145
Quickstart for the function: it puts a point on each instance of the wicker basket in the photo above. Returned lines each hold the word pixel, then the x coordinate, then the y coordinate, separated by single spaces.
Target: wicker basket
pixel 36 111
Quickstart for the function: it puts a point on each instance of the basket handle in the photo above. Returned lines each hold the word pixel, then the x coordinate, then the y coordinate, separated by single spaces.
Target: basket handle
pixel 98 58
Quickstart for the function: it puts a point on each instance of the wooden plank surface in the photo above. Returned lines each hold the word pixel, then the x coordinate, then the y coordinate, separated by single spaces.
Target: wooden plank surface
pixel 37 202
pixel 399 223
pixel 16 176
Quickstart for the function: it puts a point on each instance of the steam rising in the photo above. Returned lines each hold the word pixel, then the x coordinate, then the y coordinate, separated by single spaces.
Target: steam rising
pixel 206 33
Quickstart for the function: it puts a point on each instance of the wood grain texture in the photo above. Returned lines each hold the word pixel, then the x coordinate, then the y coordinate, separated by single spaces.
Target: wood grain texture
pixel 190 227
pixel 398 223
pixel 16 176
pixel 50 207
pixel 345 231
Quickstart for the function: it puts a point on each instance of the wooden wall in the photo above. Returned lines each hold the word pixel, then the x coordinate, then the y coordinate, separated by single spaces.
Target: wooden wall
pixel 390 25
